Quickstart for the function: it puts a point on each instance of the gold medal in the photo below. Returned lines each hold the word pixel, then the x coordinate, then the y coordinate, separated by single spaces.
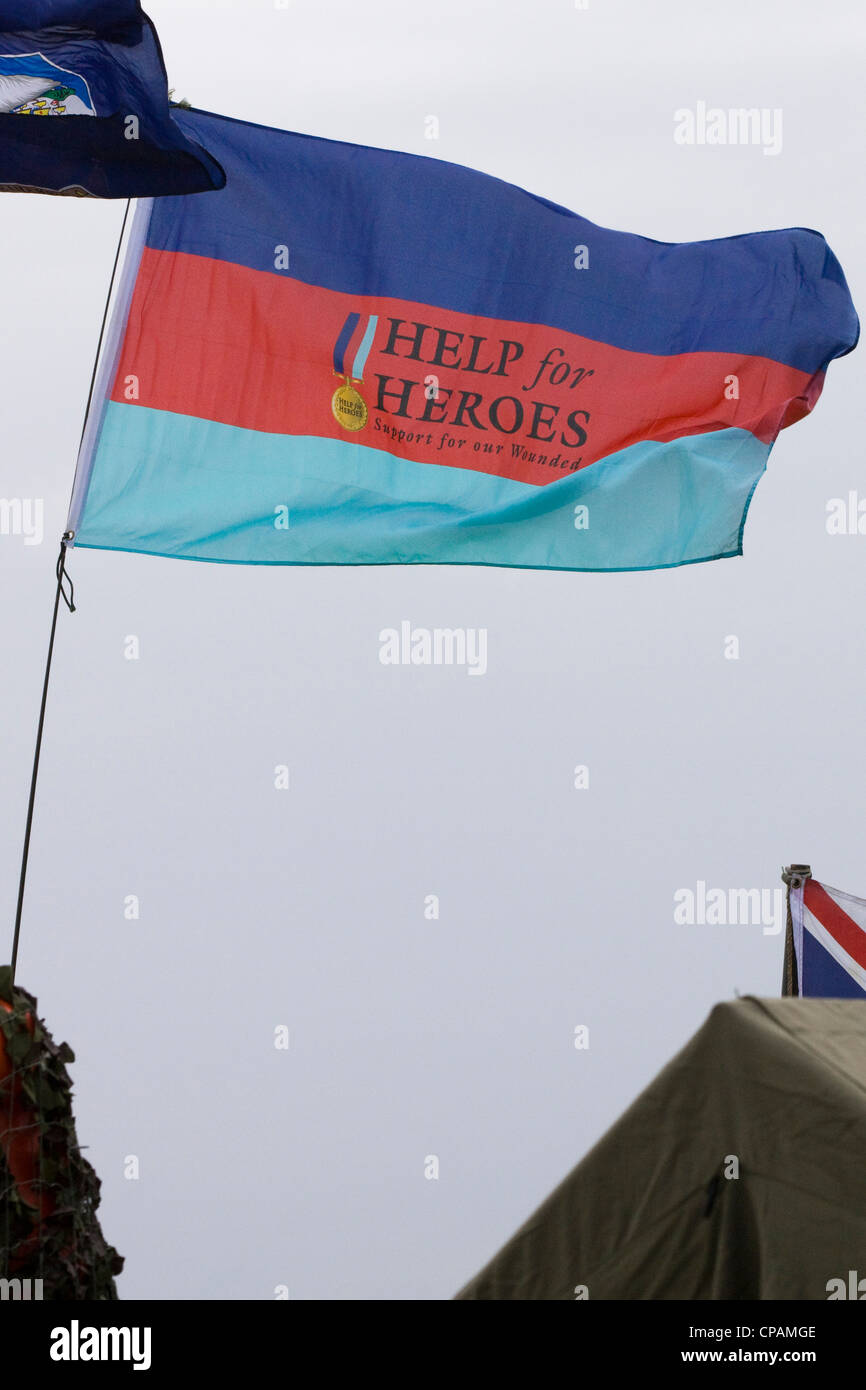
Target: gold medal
pixel 349 407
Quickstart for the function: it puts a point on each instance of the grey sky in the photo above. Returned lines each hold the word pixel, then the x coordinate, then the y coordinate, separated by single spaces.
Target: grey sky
pixel 305 908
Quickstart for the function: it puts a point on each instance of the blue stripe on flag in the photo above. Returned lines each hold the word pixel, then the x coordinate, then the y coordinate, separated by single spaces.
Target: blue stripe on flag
pixel 343 342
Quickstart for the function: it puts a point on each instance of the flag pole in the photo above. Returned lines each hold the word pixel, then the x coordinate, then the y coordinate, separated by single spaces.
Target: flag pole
pixel 793 877
pixel 67 594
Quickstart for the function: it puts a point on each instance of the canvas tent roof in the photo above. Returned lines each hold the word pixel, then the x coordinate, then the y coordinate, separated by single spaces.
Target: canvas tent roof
pixel 649 1213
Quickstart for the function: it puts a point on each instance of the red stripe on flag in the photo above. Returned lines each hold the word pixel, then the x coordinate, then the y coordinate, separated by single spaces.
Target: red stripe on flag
pixel 249 348
pixel 841 927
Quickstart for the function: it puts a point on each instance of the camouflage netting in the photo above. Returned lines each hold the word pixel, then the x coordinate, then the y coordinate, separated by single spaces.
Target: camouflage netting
pixel 49 1193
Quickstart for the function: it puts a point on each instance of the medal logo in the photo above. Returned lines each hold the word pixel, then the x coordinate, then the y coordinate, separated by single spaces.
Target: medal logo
pixel 349 407
pixel 347 404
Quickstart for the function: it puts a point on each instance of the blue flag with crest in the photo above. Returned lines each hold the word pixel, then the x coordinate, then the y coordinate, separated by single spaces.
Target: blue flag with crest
pixel 98 66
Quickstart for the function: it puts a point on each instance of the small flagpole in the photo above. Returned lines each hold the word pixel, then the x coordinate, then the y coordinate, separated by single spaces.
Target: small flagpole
pixel 68 597
pixel 793 877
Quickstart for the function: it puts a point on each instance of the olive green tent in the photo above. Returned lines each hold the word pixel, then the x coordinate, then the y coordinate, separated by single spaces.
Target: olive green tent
pixel 739 1173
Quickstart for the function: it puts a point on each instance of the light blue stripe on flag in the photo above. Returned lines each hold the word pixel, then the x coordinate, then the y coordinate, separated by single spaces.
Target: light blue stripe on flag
pixel 169 484
pixel 364 349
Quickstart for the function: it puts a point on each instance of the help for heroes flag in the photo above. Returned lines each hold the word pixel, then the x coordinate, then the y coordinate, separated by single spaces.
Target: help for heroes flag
pixel 353 356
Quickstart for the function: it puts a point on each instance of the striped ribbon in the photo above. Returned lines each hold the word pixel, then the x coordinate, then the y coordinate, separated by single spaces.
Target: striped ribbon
pixel 343 343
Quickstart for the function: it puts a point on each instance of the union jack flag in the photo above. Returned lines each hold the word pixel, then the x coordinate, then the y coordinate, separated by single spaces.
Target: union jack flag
pixel 829 941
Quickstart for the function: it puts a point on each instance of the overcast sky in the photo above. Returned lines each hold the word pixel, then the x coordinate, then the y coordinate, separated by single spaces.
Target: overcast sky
pixel 409 1037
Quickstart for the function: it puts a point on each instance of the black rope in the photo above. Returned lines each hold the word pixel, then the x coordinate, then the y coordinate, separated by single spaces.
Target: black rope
pixel 66 591
pixel 6 1194
pixel 68 600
